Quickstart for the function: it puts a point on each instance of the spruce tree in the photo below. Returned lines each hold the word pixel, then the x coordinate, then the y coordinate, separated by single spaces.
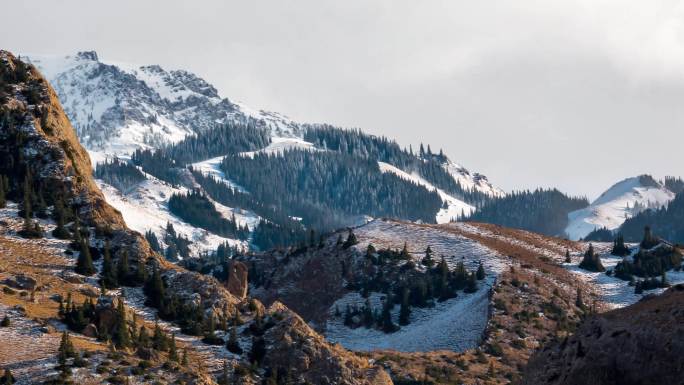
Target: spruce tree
pixel 567 256
pixel 122 268
pixel 233 345
pixel 224 378
pixel 471 284
pixel 388 325
pixel 649 240
pixel 3 192
pixel 7 378
pixel 60 232
pixel 578 300
pixel 351 240
pixel 258 352
pixel 173 349
pixel 121 337
pixel 619 248
pixel 480 274
pixel 427 261
pixel 591 260
pixel 109 278
pixel 84 264
pixel 405 309
pixel 404 253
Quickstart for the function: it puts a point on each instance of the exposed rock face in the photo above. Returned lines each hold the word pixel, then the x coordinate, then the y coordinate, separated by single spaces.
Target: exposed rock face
pixel 41 133
pixel 640 344
pixel 50 148
pixel 314 360
pixel 237 279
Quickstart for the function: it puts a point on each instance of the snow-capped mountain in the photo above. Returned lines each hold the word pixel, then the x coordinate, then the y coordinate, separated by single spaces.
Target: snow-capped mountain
pixel 623 200
pixel 118 108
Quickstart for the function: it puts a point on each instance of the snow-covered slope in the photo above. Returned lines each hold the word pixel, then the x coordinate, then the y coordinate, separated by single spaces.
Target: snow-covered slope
pixel 146 208
pixel 472 181
pixel 456 324
pixel 455 209
pixel 615 205
pixel 119 107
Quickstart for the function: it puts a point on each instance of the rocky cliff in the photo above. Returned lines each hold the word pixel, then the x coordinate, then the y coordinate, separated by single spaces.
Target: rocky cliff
pixel 640 344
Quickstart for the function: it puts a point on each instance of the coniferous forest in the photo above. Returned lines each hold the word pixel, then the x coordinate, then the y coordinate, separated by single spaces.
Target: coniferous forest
pixel 667 222
pixel 328 189
pixel 541 211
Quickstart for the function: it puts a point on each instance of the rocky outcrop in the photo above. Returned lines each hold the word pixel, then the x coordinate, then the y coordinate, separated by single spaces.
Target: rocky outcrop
pixel 640 344
pixel 237 279
pixel 49 147
pixel 37 136
pixel 304 352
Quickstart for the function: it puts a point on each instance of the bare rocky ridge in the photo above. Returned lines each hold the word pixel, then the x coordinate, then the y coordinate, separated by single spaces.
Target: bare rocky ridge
pixel 640 344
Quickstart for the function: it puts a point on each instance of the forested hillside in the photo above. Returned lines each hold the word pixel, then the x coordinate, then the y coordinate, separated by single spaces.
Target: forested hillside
pixel 666 222
pixel 541 211
pixel 328 189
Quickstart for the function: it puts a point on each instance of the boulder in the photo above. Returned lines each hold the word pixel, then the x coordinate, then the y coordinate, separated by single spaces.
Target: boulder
pixel 237 279
pixel 90 331
pixel 22 282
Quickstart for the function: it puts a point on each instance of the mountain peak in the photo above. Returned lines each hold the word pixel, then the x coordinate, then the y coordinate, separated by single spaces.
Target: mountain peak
pixel 621 201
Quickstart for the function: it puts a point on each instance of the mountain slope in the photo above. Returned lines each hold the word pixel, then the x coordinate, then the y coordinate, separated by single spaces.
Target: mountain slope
pixel 640 344
pixel 47 169
pixel 119 108
pixel 623 200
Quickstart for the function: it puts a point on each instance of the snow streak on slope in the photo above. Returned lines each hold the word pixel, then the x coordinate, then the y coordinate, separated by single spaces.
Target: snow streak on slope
pixel 146 208
pixel 456 208
pixel 456 324
pixel 614 292
pixel 613 207
pixel 472 181
pixel 280 144
pixel 212 167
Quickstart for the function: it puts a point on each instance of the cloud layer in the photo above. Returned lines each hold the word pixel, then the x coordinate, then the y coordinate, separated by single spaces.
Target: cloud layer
pixel 574 94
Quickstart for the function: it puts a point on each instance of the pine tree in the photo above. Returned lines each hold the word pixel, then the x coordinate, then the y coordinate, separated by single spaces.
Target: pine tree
pixel 155 289
pixel 184 360
pixel 60 232
pixel 427 261
pixel 619 248
pixel 143 338
pixel 578 301
pixel 122 268
pixel 140 272
pixel 159 340
pixel 66 347
pixel 84 264
pixel 649 240
pixel 480 274
pixel 351 240
pixel 405 309
pixel 258 352
pixel 109 278
pixel 591 260
pixel 386 318
pixel 224 378
pixel 404 253
pixel 233 345
pixel 7 378
pixel 121 337
pixel 3 192
pixel 471 284
pixel 567 256
pixel 173 350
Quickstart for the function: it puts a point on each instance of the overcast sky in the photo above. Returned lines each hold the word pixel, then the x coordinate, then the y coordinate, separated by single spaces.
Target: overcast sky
pixel 573 94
